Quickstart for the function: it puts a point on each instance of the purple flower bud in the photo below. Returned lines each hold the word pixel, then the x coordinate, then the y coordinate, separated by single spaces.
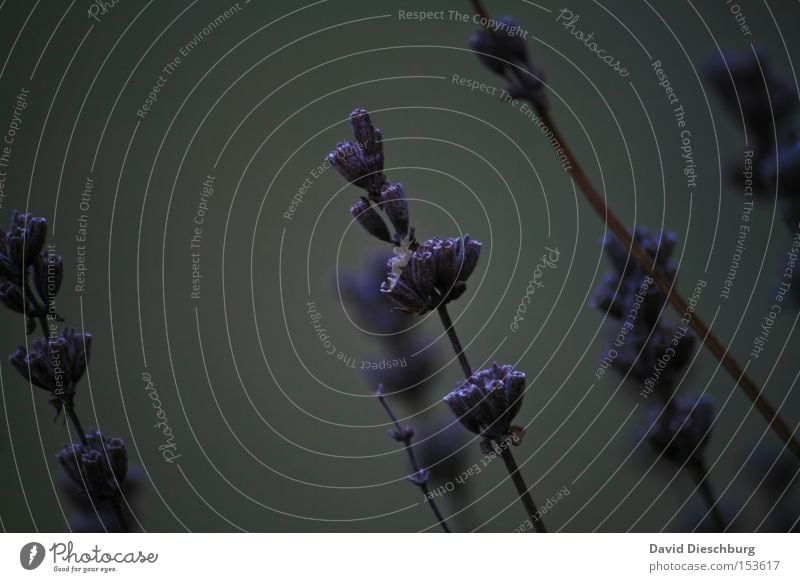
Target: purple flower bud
pixel 361 161
pixel 395 205
pixel 433 274
pixel 11 296
pixel 369 137
pixel 98 467
pixel 750 88
pixel 48 271
pixel 502 50
pixel 55 364
pixel 487 402
pixel 369 219
pixel 26 238
pixel 681 430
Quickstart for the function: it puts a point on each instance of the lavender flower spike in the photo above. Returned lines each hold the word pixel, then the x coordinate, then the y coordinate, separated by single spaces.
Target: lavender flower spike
pixel 369 219
pixel 487 402
pixel 56 365
pixel 361 161
pixel 97 467
pixel 431 275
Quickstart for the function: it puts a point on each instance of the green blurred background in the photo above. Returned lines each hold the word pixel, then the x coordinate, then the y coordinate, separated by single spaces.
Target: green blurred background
pixel 274 434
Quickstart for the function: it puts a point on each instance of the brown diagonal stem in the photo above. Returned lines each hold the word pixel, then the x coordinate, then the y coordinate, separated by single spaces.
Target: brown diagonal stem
pixel 645 261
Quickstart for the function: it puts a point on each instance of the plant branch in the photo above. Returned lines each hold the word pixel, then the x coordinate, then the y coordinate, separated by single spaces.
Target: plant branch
pixel 534 515
pixel 708 338
pixel 699 472
pixel 120 516
pixel 451 333
pixel 645 261
pixel 420 476
pixel 73 417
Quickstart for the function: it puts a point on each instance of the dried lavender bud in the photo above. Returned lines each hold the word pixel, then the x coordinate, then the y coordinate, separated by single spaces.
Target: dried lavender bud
pixel 682 429
pixel 503 52
pixel 55 365
pixel 654 354
pixel 361 162
pixel 369 219
pixel 97 467
pixel 433 274
pixel 48 271
pixel 26 238
pixel 497 49
pixel 737 78
pixel 21 245
pixel 395 205
pixel 369 137
pixel 11 296
pixel 620 287
pixel 487 402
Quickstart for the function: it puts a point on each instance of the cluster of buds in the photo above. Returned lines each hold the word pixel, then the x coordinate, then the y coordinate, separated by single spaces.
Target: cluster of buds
pixel 681 430
pixel 631 297
pixel 766 102
pixel 753 91
pixel 487 402
pixel 421 277
pixel 97 466
pixel 26 265
pixel 55 364
pixel 504 53
pixel 360 162
pixel 432 274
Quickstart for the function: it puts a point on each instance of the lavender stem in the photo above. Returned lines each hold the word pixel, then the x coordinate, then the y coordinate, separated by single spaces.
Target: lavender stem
pixel 418 480
pixel 709 339
pixel 451 333
pixel 699 472
pixel 524 495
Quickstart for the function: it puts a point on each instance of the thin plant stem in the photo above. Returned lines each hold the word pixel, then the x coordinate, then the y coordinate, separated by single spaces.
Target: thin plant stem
pixel 73 417
pixel 699 472
pixel 645 261
pixel 709 339
pixel 419 478
pixel 451 333
pixel 524 494
pixel 120 516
